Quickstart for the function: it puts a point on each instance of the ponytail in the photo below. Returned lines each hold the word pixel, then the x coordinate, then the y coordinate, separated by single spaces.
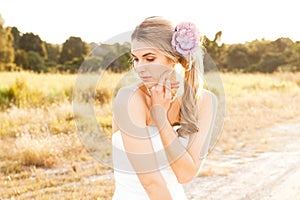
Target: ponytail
pixel 193 84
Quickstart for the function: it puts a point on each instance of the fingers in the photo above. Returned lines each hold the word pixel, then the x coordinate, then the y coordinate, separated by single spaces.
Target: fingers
pixel 175 85
pixel 165 87
pixel 161 82
pixel 168 93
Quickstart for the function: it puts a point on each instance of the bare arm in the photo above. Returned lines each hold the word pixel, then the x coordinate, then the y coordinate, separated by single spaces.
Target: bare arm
pixel 130 118
pixel 185 162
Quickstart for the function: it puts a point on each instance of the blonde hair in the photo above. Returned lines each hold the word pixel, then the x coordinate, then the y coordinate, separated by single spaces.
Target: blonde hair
pixel 157 32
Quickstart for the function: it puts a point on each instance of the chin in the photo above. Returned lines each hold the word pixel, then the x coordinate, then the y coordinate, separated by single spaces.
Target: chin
pixel 149 85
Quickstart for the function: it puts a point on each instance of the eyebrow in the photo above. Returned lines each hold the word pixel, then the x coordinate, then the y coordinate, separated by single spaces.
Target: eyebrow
pixel 146 54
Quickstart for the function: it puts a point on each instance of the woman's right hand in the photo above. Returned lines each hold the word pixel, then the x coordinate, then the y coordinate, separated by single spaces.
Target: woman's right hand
pixel 161 99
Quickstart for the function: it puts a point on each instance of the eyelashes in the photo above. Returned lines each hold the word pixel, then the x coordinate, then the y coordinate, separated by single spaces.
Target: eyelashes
pixel 147 59
pixel 150 59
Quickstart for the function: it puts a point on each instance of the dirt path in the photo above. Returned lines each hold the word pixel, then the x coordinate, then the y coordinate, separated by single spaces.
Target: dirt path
pixel 273 175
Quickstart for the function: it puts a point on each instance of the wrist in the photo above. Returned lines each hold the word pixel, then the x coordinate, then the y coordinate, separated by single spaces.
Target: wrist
pixel 159 115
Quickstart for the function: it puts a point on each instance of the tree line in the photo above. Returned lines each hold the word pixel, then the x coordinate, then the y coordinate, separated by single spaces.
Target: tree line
pixel 27 51
pixel 255 56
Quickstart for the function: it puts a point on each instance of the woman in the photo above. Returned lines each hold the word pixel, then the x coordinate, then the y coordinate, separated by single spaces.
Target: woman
pixel 161 135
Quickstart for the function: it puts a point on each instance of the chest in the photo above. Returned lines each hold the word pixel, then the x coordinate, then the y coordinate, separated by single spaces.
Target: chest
pixel 173 114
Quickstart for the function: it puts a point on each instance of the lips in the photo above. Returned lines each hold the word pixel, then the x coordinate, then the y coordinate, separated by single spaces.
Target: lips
pixel 146 78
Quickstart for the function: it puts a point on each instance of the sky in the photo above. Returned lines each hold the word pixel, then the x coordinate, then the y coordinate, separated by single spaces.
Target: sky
pixel 100 20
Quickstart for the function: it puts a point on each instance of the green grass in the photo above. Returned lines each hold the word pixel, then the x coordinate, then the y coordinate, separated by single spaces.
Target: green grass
pixel 24 89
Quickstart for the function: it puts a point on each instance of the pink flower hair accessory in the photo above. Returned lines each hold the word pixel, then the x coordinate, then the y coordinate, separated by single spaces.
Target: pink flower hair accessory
pixel 186 38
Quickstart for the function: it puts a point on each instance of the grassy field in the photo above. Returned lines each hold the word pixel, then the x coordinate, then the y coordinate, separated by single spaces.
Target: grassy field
pixel 42 157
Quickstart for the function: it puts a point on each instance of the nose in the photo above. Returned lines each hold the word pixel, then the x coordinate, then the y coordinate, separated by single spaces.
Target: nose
pixel 139 68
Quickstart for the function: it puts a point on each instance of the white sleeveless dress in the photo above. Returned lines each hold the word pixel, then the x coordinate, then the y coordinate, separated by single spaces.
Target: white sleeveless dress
pixel 127 185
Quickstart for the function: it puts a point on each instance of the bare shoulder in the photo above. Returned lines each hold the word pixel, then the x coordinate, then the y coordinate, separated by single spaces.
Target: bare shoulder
pixel 206 98
pixel 129 107
pixel 127 94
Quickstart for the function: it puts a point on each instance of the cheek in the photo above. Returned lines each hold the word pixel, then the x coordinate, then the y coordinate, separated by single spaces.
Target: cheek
pixel 157 71
pixel 160 67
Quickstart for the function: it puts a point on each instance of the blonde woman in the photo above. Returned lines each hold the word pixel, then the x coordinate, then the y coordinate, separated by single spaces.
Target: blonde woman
pixel 162 124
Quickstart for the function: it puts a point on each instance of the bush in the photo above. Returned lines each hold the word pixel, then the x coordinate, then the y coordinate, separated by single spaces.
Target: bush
pixel 33 152
pixel 103 96
pixel 270 62
pixel 237 57
pixel 35 62
pixel 22 96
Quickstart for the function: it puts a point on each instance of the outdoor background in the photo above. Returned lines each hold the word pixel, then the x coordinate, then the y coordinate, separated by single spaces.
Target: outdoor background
pixel 257 52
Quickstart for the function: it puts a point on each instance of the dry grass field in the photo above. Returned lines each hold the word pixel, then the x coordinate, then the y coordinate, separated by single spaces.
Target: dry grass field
pixel 42 157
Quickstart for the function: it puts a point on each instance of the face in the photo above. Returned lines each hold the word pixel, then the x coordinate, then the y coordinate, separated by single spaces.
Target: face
pixel 150 63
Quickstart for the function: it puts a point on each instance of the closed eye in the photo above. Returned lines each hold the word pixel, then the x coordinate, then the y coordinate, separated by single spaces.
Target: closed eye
pixel 150 59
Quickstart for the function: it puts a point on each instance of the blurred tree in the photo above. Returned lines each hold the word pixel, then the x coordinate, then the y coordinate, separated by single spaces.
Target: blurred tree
pixel 21 59
pixel 73 48
pixel 270 62
pixel 31 42
pixel 121 54
pixel 237 57
pixel 53 52
pixel 35 62
pixel 71 66
pixel 216 49
pixel 281 44
pixel 17 36
pixel 6 48
pixel 293 56
pixel 114 57
pixel 256 49
pixel 91 64
pixel 282 47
